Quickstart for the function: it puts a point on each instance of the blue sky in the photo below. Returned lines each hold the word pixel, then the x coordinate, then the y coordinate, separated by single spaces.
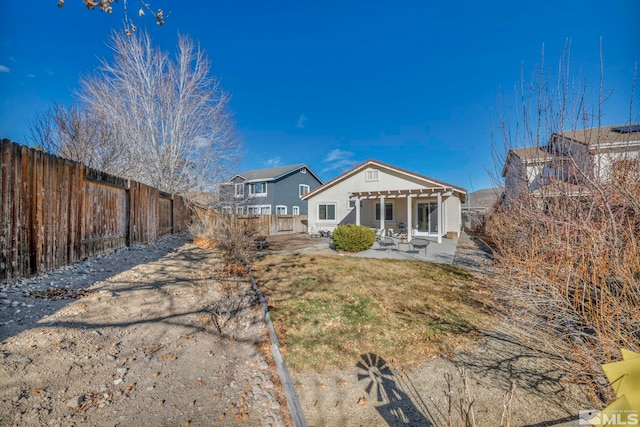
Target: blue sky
pixel 334 83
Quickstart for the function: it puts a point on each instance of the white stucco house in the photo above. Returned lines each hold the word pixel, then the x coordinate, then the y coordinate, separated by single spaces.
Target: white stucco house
pixel 570 159
pixel 386 197
pixel 527 169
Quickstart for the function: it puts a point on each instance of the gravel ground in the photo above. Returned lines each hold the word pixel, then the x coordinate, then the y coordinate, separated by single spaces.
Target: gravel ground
pixel 126 339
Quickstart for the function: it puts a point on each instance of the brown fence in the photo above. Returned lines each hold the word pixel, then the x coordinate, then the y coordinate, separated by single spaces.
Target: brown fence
pixel 269 225
pixel 55 212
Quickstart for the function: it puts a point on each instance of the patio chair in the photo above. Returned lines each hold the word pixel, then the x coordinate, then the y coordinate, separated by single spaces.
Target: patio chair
pixel 420 243
pixel 386 242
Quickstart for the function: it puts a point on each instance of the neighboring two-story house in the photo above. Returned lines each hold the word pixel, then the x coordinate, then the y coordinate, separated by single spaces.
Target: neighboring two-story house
pixel 572 157
pixel 269 191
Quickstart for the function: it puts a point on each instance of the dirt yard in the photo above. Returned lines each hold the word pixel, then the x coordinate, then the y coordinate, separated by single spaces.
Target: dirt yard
pixel 126 339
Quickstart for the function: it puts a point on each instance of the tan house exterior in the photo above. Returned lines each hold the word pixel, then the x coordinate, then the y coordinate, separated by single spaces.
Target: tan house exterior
pixel 386 197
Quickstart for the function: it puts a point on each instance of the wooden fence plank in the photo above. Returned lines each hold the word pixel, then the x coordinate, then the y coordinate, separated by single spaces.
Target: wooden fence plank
pixel 4 200
pixel 54 211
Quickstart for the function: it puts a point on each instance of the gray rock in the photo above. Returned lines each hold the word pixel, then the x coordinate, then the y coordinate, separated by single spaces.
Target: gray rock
pixel 75 402
pixel 118 381
pixel 5 301
pixel 3 295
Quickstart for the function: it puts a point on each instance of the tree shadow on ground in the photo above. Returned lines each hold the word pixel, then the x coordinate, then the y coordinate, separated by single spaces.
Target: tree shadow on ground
pixel 505 359
pixel 96 275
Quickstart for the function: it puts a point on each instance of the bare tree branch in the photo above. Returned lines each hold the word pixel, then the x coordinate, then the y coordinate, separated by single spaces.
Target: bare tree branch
pixel 180 133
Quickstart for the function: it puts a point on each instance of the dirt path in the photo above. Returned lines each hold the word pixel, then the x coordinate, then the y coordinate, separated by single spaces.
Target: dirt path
pixel 138 349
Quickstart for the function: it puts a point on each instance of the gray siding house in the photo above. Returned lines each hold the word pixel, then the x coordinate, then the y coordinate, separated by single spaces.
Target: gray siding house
pixel 269 191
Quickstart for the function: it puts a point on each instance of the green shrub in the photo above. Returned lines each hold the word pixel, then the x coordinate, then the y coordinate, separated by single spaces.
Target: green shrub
pixel 353 238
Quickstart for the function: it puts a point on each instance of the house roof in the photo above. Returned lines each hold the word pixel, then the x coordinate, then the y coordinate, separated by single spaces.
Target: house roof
pixel 382 165
pixel 532 154
pixel 604 134
pixel 272 174
pixel 527 155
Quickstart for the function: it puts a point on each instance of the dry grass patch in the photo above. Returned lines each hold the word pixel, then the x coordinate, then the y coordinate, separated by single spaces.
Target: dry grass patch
pixel 329 310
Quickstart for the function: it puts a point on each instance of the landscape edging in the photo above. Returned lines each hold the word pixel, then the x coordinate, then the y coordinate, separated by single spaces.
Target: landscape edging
pixel 295 409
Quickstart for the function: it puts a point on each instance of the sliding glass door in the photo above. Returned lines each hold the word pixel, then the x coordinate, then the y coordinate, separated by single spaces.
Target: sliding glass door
pixel 427 217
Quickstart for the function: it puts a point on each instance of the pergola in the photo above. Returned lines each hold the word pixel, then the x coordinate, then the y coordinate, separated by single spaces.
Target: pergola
pixel 382 195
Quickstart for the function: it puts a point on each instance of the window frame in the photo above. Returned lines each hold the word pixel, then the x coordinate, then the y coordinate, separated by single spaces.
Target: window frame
pixel 301 193
pixel 281 207
pixel 326 205
pixel 354 204
pixel 386 205
pixel 259 210
pixel 252 189
pixel 240 193
pixel 372 175
pixel 295 210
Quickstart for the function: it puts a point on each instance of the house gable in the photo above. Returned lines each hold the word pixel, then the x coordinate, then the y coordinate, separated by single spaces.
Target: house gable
pixel 390 178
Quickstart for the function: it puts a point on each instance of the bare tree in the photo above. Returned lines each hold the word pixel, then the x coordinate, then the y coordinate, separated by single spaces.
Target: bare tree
pixel 81 135
pixel 174 114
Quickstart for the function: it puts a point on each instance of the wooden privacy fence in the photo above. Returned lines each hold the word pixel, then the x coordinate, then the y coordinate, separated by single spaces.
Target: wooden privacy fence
pixel 268 225
pixel 55 212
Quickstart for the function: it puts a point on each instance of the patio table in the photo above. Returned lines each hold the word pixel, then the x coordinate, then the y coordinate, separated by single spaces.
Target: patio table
pixel 420 243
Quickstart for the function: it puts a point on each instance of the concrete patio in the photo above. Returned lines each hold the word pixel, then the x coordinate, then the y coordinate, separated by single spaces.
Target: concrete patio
pixel 442 253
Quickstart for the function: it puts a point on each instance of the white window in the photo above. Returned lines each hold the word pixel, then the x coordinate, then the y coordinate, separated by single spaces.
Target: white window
pixel 327 212
pixel 388 211
pixel 239 192
pixel 303 189
pixel 296 210
pixel 226 210
pixel 281 210
pixel 371 175
pixel 352 204
pixel 239 210
pixel 258 189
pixel 259 210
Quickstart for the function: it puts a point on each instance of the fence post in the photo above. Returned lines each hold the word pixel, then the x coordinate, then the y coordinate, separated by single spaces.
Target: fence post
pixel 172 214
pixel 127 192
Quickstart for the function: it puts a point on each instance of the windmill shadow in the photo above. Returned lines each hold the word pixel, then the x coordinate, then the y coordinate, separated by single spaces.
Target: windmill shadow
pixel 394 405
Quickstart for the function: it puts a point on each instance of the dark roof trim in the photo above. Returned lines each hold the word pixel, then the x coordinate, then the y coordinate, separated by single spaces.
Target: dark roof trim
pixel 281 172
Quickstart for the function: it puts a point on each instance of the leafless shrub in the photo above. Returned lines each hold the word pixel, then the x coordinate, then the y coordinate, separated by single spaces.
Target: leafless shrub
pixel 233 295
pixel 570 240
pixel 505 419
pixel 465 401
pixel 235 236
